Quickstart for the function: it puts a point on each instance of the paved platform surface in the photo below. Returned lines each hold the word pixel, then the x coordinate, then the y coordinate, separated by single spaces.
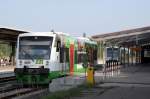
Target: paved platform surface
pixel 128 83
pixel 6 71
pixel 6 68
pixel 66 83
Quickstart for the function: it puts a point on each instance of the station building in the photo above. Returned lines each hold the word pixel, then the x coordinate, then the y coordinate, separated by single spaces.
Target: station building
pixel 8 39
pixel 133 46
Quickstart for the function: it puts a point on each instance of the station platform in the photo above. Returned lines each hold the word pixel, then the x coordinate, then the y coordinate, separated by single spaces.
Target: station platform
pixel 6 68
pixel 132 82
pixel 66 83
pixel 6 71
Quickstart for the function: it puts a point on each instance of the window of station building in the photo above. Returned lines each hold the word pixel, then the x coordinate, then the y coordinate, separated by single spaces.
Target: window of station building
pixel 95 54
pixel 146 53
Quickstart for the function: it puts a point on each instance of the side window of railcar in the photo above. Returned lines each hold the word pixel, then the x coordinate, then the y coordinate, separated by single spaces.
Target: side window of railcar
pixel 58 46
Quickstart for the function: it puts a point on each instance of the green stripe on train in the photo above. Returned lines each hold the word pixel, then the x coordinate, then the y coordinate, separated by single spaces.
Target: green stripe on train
pixel 39 79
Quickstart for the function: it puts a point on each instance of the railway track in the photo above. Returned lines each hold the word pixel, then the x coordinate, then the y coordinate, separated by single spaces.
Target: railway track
pixel 17 92
pixel 6 79
pixel 10 89
pixel 7 83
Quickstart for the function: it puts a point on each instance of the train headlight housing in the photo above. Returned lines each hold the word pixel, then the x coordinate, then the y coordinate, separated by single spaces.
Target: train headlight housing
pixel 20 62
pixel 47 63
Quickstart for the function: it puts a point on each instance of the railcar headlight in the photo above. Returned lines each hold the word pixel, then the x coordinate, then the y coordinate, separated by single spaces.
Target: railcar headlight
pixel 20 62
pixel 47 63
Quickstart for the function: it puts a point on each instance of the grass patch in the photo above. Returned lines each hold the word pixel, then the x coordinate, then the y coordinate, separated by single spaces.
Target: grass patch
pixel 66 94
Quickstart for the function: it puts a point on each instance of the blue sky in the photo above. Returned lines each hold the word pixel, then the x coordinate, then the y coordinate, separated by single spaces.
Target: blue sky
pixel 75 16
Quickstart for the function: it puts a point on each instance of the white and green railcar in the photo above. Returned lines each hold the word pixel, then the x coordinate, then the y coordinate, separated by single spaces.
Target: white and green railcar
pixel 43 56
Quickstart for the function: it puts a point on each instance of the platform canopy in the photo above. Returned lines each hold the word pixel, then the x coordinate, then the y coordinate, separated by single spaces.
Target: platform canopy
pixel 9 35
pixel 132 37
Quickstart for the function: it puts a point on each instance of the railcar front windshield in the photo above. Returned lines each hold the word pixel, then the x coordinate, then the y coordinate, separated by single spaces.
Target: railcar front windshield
pixel 112 53
pixel 35 47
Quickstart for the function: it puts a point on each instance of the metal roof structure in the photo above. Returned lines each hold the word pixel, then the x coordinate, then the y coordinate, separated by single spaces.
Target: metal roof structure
pixel 9 35
pixel 138 36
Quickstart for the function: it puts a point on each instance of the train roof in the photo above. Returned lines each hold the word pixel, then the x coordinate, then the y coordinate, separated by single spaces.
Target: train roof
pixel 86 40
pixel 43 34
